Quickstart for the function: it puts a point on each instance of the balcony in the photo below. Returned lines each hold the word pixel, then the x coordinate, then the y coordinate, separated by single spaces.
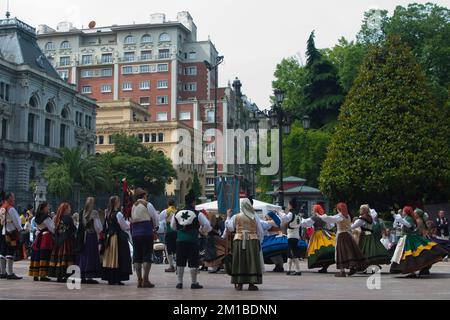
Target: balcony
pixel 164 55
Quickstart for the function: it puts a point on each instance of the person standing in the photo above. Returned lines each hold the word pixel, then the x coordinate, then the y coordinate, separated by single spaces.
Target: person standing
pixel 117 256
pixel 442 226
pixel 88 233
pixel 42 245
pixel 144 222
pixel 63 253
pixel 170 237
pixel 246 261
pixel 348 254
pixel 9 238
pixel 189 223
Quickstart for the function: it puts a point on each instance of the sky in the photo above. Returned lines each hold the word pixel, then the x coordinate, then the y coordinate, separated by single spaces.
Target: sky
pixel 253 35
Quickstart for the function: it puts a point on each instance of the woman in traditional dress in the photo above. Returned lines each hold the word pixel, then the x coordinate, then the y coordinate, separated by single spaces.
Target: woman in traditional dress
pixel 415 252
pixel 63 254
pixel 117 256
pixel 41 249
pixel 348 254
pixel 246 264
pixel 88 233
pixel 371 247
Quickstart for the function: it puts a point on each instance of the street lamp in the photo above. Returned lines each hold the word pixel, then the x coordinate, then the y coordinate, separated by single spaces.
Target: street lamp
pixel 306 121
pixel 215 67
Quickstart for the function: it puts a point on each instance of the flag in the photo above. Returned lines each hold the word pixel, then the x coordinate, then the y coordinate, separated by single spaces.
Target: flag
pixel 228 194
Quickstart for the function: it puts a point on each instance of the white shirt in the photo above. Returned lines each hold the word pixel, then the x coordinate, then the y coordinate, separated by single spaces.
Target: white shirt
pixel 293 231
pixel 154 216
pixel 12 221
pixel 124 225
pixel 230 224
pixel 162 222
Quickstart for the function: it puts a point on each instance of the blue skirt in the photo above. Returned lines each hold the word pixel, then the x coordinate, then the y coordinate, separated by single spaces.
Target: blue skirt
pixel 89 258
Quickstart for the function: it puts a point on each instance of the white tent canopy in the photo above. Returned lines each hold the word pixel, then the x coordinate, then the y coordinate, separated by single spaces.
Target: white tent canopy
pixel 260 207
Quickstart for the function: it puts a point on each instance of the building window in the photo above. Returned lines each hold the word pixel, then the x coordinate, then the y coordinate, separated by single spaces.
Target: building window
pixel 128 56
pixel 64 74
pixel 144 101
pixel 49 46
pixel 65 114
pixel 4 91
pixel 111 140
pixel 163 84
pixel 88 122
pixel 192 55
pixel 185 115
pixel 78 118
pixel 162 100
pixel 144 68
pixel 4 129
pixel 190 71
pixel 100 140
pixel 31 120
pixel 147 137
pixel 140 137
pixel 190 87
pixel 161 116
pixel 146 55
pixel 164 37
pixel 164 54
pixel 127 86
pixel 129 40
pixel 107 72
pixel 210 116
pixel 86 90
pixel 146 38
pixel 163 67
pixel 64 61
pixel 127 70
pixel 160 137
pixel 65 45
pixel 62 136
pixel 144 85
pixel 154 137
pixel 106 88
pixel 47 132
pixel 49 108
pixel 87 73
pixel 107 58
pixel 86 59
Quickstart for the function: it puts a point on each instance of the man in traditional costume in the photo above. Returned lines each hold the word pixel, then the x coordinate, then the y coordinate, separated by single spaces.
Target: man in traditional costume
pixel 246 262
pixel 189 223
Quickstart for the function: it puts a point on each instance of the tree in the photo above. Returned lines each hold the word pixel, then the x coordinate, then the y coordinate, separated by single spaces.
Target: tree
pixel 73 166
pixel 373 29
pixel 390 146
pixel 141 165
pixel 323 95
pixel 196 186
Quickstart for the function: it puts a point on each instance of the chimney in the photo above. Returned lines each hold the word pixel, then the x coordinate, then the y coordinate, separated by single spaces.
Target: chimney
pixel 157 18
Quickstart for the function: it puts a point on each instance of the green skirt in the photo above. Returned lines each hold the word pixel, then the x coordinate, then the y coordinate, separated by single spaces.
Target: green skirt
pixel 246 265
pixel 374 250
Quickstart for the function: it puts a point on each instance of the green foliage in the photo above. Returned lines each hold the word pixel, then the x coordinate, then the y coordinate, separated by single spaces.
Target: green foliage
pixel 373 27
pixel 73 166
pixel 196 187
pixel 390 146
pixel 141 165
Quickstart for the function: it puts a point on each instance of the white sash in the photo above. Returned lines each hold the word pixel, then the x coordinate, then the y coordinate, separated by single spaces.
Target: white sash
pixel 398 254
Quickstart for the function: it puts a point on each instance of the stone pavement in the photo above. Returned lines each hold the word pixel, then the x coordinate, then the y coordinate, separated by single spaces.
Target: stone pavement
pixel 217 287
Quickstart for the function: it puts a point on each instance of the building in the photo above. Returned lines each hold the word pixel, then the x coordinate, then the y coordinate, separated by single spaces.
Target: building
pixel 159 65
pixel 39 112
pixel 117 117
pixel 306 196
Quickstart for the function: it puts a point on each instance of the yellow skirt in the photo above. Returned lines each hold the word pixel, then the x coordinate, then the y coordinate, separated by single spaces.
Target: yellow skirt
pixel 321 250
pixel 111 255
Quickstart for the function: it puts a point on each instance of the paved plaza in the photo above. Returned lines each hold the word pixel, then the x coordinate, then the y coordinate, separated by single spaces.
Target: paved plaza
pixel 217 287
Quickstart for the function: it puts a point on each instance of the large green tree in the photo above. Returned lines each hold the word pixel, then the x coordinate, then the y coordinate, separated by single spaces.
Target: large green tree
pixel 390 146
pixel 141 165
pixel 322 92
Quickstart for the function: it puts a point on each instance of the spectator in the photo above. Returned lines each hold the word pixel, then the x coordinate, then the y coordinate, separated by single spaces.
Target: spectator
pixel 442 225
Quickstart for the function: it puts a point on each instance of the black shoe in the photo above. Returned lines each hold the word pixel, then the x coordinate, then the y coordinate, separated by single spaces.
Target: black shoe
pixel 278 269
pixel 180 286
pixel 196 286
pixel 3 276
pixel 36 279
pixel 45 279
pixel 425 272
pixel 61 280
pixel 411 276
pixel 323 270
pixel 13 277
pixel 352 272
pixel 297 274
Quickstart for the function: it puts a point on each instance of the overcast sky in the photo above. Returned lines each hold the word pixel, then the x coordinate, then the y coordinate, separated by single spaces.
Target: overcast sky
pixel 253 35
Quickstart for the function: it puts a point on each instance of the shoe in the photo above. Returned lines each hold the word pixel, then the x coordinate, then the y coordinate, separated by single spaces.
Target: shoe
pixel 196 286
pixel 148 285
pixel 45 279
pixel 288 273
pixel 3 276
pixel 252 287
pixel 36 279
pixel 352 272
pixel 180 286
pixel 140 284
pixel 297 274
pixel 170 270
pixel 341 275
pixel 238 287
pixel 323 270
pixel 13 277
pixel 278 269
pixel 411 276
pixel 425 272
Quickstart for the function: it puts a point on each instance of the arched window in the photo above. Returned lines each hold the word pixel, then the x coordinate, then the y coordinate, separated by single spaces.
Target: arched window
pixel 65 45
pixel 164 37
pixel 32 174
pixel 146 38
pixel 65 113
pixel 49 46
pixel 49 108
pixel 129 40
pixel 33 102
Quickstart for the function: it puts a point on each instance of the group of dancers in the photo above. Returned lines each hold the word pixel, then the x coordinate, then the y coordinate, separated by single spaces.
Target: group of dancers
pixel 100 247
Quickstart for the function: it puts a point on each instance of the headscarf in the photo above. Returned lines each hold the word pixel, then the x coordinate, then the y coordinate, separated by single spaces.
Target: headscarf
pixel 408 210
pixel 247 209
pixel 60 213
pixel 367 214
pixel 342 208
pixel 318 209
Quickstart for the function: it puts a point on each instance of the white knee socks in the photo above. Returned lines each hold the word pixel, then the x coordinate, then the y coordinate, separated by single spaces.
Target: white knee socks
pixel 180 274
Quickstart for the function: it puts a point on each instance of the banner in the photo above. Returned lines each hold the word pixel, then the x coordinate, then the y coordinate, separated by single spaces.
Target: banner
pixel 228 194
